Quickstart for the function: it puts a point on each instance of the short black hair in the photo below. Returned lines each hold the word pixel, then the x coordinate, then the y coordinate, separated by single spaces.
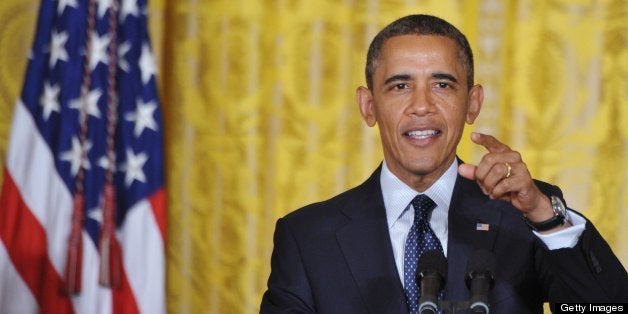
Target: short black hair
pixel 419 24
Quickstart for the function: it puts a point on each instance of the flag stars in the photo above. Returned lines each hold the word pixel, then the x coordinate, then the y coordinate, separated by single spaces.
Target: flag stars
pixel 133 167
pixel 66 3
pixel 103 162
pixel 103 6
pixel 49 99
pixel 89 104
pixel 129 7
pixel 99 50
pixel 75 154
pixel 143 117
pixel 123 49
pixel 96 214
pixel 57 48
pixel 147 64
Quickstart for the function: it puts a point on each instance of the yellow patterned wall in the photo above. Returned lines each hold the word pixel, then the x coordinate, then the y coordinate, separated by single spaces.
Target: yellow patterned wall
pixel 260 116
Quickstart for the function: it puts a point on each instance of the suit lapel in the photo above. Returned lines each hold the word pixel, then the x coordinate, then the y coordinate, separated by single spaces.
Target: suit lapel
pixel 365 243
pixel 364 238
pixel 473 224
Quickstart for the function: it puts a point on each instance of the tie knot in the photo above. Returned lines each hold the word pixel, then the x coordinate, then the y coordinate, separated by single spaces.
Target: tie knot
pixel 422 204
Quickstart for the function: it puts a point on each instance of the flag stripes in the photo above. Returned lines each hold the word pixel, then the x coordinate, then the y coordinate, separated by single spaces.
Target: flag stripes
pixel 88 120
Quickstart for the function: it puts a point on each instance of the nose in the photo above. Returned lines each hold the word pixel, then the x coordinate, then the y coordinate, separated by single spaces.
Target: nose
pixel 421 102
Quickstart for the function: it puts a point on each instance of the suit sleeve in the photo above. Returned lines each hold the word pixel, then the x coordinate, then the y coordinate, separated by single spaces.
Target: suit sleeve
pixel 288 286
pixel 588 272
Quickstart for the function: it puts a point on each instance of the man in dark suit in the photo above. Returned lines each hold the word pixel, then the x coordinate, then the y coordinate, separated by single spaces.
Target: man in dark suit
pixel 346 254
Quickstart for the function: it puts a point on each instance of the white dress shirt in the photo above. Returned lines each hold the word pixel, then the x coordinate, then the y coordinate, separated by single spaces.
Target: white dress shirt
pixel 397 196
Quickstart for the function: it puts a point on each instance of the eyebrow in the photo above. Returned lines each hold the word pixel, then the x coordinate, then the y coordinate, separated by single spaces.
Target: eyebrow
pixel 398 77
pixel 445 76
pixel 407 77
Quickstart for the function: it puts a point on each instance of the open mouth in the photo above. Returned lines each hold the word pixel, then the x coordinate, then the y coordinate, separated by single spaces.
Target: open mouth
pixel 422 134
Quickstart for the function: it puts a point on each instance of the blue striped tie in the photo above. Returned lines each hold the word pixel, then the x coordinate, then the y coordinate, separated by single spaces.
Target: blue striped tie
pixel 421 238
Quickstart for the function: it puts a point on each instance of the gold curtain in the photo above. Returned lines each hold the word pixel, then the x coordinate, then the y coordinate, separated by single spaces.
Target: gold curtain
pixel 260 117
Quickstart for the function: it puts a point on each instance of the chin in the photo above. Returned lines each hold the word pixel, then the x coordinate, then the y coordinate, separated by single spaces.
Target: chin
pixel 422 171
pixel 422 168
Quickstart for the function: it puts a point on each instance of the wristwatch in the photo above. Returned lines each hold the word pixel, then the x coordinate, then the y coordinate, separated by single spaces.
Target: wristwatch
pixel 560 212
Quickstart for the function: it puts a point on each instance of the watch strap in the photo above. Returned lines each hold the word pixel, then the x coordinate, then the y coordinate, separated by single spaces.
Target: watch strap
pixel 557 220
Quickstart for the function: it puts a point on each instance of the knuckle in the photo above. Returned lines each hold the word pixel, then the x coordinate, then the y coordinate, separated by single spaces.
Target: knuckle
pixel 501 147
pixel 506 185
pixel 516 155
pixel 489 158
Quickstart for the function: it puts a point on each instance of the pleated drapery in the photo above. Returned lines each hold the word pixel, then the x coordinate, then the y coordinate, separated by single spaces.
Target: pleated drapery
pixel 260 115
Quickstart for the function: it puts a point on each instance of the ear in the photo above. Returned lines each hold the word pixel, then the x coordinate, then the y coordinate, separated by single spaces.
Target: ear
pixel 476 98
pixel 364 98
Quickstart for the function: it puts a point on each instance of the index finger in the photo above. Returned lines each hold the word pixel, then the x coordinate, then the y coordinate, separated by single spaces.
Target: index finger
pixel 491 143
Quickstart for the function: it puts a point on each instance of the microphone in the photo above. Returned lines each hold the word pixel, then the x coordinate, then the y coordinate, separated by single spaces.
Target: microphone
pixel 432 275
pixel 479 279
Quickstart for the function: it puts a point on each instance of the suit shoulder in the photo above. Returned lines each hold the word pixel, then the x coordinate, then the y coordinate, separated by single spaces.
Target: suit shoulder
pixel 330 214
pixel 324 209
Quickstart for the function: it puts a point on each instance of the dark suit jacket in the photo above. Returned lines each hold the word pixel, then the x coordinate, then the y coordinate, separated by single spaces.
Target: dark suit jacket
pixel 336 257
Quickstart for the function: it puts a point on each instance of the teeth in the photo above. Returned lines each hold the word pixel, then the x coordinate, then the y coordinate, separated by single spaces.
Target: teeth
pixel 422 134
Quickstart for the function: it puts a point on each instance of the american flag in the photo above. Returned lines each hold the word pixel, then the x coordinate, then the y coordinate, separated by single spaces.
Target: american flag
pixel 82 207
pixel 480 226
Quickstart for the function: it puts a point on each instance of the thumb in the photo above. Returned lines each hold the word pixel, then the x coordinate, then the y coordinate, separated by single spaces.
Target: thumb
pixel 467 171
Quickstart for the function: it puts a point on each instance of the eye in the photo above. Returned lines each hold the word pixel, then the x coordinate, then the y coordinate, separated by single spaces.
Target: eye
pixel 442 85
pixel 400 86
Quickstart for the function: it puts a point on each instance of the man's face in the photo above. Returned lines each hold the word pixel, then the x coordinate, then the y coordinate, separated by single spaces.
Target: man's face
pixel 421 101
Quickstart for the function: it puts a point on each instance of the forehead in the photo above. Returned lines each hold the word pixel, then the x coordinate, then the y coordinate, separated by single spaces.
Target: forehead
pixel 420 50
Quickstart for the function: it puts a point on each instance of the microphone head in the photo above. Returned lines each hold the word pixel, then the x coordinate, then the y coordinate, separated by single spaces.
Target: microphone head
pixel 481 263
pixel 432 261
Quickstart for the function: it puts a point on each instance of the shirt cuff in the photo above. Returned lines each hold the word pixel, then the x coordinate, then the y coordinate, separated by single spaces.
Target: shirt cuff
pixel 565 238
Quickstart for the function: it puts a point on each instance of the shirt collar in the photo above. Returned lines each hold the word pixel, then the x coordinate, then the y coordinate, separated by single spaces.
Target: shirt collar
pixel 397 195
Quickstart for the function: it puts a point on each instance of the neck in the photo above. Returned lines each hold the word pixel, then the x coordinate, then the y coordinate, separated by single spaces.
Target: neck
pixel 421 181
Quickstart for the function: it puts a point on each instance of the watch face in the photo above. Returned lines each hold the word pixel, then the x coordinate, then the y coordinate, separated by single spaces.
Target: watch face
pixel 558 219
pixel 558 206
